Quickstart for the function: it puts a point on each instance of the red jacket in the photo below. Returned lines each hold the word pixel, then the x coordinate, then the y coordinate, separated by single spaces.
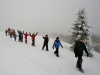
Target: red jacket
pixel 26 35
pixel 33 36
pixel 9 29
pixel 11 32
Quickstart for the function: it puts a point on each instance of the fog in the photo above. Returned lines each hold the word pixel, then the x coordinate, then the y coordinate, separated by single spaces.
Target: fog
pixel 47 16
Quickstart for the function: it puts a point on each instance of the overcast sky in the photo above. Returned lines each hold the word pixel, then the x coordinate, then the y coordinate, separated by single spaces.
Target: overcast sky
pixel 49 16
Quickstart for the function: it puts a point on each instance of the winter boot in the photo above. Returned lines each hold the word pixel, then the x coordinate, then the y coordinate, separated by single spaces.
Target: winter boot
pixel 79 64
pixel 55 52
pixel 57 55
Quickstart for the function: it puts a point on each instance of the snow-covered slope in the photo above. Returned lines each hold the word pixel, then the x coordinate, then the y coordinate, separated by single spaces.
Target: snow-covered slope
pixel 18 58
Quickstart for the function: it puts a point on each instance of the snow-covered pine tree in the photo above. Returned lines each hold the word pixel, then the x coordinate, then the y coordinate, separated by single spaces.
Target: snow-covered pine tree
pixel 82 29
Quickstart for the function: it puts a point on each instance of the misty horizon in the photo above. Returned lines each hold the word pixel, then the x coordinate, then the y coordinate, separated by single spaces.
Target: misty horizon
pixel 47 16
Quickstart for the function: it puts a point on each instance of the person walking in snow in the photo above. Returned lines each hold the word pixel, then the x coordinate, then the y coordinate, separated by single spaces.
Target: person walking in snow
pixel 57 44
pixel 46 40
pixel 25 34
pixel 21 36
pixel 6 32
pixel 15 36
pixel 18 35
pixel 78 50
pixel 33 38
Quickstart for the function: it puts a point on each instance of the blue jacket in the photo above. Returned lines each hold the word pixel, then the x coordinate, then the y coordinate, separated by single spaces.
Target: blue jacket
pixel 57 44
pixel 14 35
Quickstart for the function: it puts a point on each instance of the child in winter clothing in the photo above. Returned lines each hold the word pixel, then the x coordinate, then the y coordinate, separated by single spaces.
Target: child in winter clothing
pixel 26 37
pixel 20 35
pixel 14 35
pixel 56 44
pixel 46 40
pixel 33 38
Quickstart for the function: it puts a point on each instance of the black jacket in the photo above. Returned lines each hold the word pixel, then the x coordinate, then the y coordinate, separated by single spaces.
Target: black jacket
pixel 79 47
pixel 46 40
pixel 20 34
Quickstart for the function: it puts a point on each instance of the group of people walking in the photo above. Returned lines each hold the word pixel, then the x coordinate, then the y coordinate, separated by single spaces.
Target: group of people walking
pixel 78 48
pixel 11 32
pixel 56 43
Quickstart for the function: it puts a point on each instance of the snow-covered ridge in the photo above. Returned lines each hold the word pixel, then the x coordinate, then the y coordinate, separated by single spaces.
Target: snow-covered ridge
pixel 18 58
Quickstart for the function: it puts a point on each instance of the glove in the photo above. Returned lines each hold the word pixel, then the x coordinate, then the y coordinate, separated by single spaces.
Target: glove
pixel 62 46
pixel 53 47
pixel 76 55
pixel 87 54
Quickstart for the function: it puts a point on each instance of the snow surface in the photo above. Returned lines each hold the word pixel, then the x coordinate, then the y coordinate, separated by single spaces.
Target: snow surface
pixel 18 58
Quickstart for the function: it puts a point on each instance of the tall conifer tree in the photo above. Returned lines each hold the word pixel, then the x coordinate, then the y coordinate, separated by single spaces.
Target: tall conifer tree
pixel 82 29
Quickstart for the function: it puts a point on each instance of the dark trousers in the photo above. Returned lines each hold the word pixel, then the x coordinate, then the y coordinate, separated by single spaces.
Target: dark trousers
pixel 6 33
pixel 57 52
pixel 25 40
pixel 33 42
pixel 15 38
pixel 10 35
pixel 44 46
pixel 20 39
pixel 79 62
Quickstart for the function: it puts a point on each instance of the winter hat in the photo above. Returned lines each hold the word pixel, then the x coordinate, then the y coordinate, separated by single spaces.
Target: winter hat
pixel 81 38
pixel 57 37
pixel 46 35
